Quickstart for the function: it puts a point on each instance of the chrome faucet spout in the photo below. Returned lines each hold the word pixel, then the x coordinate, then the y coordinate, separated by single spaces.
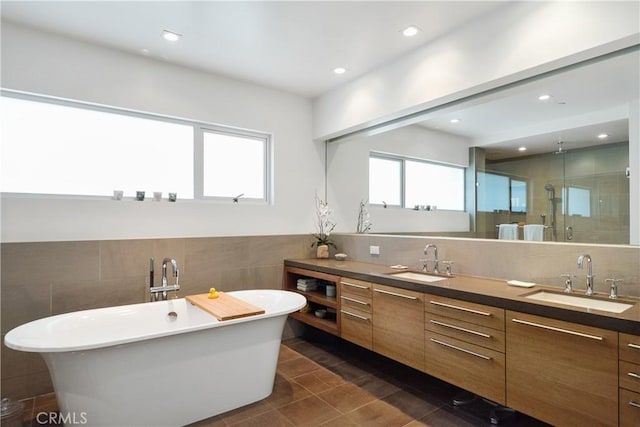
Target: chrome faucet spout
pixel 174 268
pixel 435 254
pixel 590 275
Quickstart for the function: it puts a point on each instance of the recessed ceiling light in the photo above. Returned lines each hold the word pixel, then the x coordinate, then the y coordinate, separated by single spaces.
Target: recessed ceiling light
pixel 454 121
pixel 544 97
pixel 339 70
pixel 171 36
pixel 522 148
pixel 410 31
pixel 603 136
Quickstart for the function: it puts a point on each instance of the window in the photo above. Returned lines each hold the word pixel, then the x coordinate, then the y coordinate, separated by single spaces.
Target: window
pixel 408 182
pixel 434 184
pixel 57 147
pixel 234 165
pixel 501 193
pixel 385 181
pixel 578 202
pixel 493 192
pixel 518 196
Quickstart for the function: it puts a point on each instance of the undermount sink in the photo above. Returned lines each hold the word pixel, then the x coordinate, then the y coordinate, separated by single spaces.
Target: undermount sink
pixel 415 275
pixel 580 301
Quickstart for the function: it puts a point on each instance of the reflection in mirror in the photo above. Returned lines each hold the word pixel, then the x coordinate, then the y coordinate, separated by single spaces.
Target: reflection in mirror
pixel 552 167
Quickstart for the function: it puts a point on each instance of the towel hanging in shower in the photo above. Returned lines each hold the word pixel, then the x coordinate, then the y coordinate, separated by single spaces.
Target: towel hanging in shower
pixel 508 232
pixel 534 232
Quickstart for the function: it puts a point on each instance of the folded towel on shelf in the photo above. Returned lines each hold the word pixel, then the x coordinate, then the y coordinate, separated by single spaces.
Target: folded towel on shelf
pixel 534 232
pixel 508 232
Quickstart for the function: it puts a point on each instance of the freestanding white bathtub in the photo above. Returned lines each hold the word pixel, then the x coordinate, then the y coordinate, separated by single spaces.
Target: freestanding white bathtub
pixel 137 365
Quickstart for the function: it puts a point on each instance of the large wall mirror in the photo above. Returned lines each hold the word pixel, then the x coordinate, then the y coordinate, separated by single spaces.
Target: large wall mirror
pixel 550 152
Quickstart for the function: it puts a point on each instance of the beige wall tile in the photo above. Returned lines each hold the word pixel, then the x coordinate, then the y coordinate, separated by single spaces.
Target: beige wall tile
pixel 23 301
pixel 43 262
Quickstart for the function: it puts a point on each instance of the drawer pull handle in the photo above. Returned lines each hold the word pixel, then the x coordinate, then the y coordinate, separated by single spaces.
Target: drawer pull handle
pixel 354 285
pixel 455 307
pixel 458 328
pixel 354 300
pixel 634 375
pixel 395 294
pixel 473 353
pixel 634 346
pixel 634 404
pixel 553 328
pixel 357 316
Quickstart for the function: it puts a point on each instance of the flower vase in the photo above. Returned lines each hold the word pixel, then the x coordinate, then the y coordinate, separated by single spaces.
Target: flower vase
pixel 322 251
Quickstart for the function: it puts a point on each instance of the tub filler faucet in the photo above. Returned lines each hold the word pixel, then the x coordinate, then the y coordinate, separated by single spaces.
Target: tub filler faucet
pixel 160 292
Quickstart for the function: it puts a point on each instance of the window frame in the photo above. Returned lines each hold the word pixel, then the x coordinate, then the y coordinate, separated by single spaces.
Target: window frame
pixel 510 179
pixel 199 127
pixel 200 131
pixel 392 158
pixel 403 177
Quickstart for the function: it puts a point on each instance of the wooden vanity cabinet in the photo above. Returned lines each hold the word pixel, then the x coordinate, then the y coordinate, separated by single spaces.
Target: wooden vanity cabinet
pixel 398 324
pixel 560 372
pixel 465 344
pixel 629 380
pixel 355 312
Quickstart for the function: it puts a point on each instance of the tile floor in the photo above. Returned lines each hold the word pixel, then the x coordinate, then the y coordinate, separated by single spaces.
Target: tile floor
pixel 324 381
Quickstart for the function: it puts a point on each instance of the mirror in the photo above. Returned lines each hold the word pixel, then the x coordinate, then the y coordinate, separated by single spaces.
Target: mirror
pixel 570 182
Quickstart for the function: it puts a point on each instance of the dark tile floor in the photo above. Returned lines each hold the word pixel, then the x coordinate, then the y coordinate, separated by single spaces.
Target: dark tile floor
pixel 324 381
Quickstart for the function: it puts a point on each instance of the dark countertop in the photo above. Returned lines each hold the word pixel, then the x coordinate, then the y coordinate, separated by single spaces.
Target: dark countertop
pixel 494 292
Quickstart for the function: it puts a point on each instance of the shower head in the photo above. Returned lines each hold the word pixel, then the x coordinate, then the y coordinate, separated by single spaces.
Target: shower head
pixel 550 191
pixel 560 149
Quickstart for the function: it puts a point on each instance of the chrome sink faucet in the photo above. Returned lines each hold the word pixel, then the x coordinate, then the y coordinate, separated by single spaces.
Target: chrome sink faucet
pixel 435 254
pixel 590 275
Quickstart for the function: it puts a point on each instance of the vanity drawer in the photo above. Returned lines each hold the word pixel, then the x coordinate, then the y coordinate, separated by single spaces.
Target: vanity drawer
pixel 629 348
pixel 629 376
pixel 468 332
pixel 355 287
pixel 355 302
pixel 471 367
pixel 356 326
pixel 478 314
pixel 629 408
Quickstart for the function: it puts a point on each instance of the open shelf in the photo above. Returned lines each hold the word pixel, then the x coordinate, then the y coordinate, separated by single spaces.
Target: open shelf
pixel 316 299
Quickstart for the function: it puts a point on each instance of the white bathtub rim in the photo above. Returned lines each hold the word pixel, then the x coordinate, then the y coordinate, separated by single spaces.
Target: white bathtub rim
pixel 16 340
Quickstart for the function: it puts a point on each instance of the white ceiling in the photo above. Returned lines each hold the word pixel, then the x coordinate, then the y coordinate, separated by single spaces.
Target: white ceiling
pixel 290 45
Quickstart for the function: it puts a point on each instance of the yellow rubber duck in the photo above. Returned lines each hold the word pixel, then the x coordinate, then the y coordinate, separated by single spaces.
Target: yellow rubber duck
pixel 213 293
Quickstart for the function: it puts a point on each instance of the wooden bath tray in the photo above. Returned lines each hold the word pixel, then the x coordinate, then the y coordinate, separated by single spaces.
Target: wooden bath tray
pixel 224 307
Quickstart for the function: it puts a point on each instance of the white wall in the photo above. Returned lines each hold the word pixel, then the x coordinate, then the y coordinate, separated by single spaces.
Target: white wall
pixel 49 64
pixel 526 38
pixel 348 179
